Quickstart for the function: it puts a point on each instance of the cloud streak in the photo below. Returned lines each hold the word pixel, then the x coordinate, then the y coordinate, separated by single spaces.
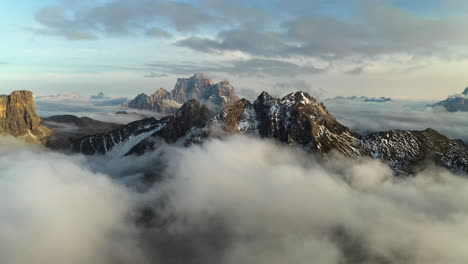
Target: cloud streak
pixel 248 67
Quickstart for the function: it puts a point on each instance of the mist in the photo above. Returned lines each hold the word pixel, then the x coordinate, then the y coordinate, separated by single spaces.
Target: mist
pixel 367 118
pixel 94 109
pixel 233 200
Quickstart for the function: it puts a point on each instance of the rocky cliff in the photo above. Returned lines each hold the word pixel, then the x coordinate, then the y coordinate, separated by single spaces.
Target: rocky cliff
pixel 198 87
pixel 18 117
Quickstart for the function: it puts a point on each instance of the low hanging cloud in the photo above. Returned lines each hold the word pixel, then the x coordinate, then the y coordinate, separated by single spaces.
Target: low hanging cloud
pixel 54 210
pixel 102 110
pixel 364 117
pixel 215 204
pixel 277 205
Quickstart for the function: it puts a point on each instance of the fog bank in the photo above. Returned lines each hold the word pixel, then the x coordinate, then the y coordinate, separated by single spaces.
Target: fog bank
pixel 237 200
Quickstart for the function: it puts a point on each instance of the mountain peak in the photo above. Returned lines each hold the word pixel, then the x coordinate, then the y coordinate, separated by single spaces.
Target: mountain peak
pixel 161 90
pixel 465 92
pixel 296 119
pixel 199 75
pixel 264 97
pixel 300 97
pixel 215 96
pixel 18 117
pixel 142 95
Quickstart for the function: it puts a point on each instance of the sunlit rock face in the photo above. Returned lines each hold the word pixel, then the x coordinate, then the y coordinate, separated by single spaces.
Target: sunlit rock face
pixel 18 117
pixel 198 87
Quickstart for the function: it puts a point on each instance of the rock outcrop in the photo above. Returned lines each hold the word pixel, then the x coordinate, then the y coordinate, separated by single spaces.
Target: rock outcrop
pixel 455 103
pixel 18 117
pixel 198 87
pixel 407 151
pixel 296 119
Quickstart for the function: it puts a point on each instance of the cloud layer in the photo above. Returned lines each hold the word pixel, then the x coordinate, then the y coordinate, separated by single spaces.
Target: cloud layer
pixel 367 118
pixel 54 210
pixel 354 32
pixel 283 29
pixel 216 204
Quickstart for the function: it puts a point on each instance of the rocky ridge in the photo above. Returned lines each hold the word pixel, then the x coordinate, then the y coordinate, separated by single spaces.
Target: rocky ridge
pixel 197 87
pixel 296 119
pixel 123 140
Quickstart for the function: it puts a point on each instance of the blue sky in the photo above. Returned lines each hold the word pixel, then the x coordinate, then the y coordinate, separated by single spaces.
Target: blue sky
pixel 411 49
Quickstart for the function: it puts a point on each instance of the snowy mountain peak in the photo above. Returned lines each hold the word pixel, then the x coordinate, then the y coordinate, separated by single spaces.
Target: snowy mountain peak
pixel 296 119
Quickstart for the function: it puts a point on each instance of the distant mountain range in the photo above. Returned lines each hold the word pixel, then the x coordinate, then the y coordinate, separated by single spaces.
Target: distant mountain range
pixel 296 119
pixel 99 96
pixel 455 103
pixel 197 87
pixel 363 99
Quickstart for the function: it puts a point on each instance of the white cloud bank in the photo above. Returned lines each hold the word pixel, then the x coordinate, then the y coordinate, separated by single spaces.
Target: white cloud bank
pixel 405 115
pixel 238 200
pixel 54 210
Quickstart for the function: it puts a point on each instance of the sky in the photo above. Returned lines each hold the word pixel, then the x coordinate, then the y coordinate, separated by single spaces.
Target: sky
pixel 396 48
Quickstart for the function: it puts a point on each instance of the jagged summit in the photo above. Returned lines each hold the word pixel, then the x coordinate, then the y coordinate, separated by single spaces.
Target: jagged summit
pixel 295 119
pixel 465 92
pixel 198 87
pixel 18 117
